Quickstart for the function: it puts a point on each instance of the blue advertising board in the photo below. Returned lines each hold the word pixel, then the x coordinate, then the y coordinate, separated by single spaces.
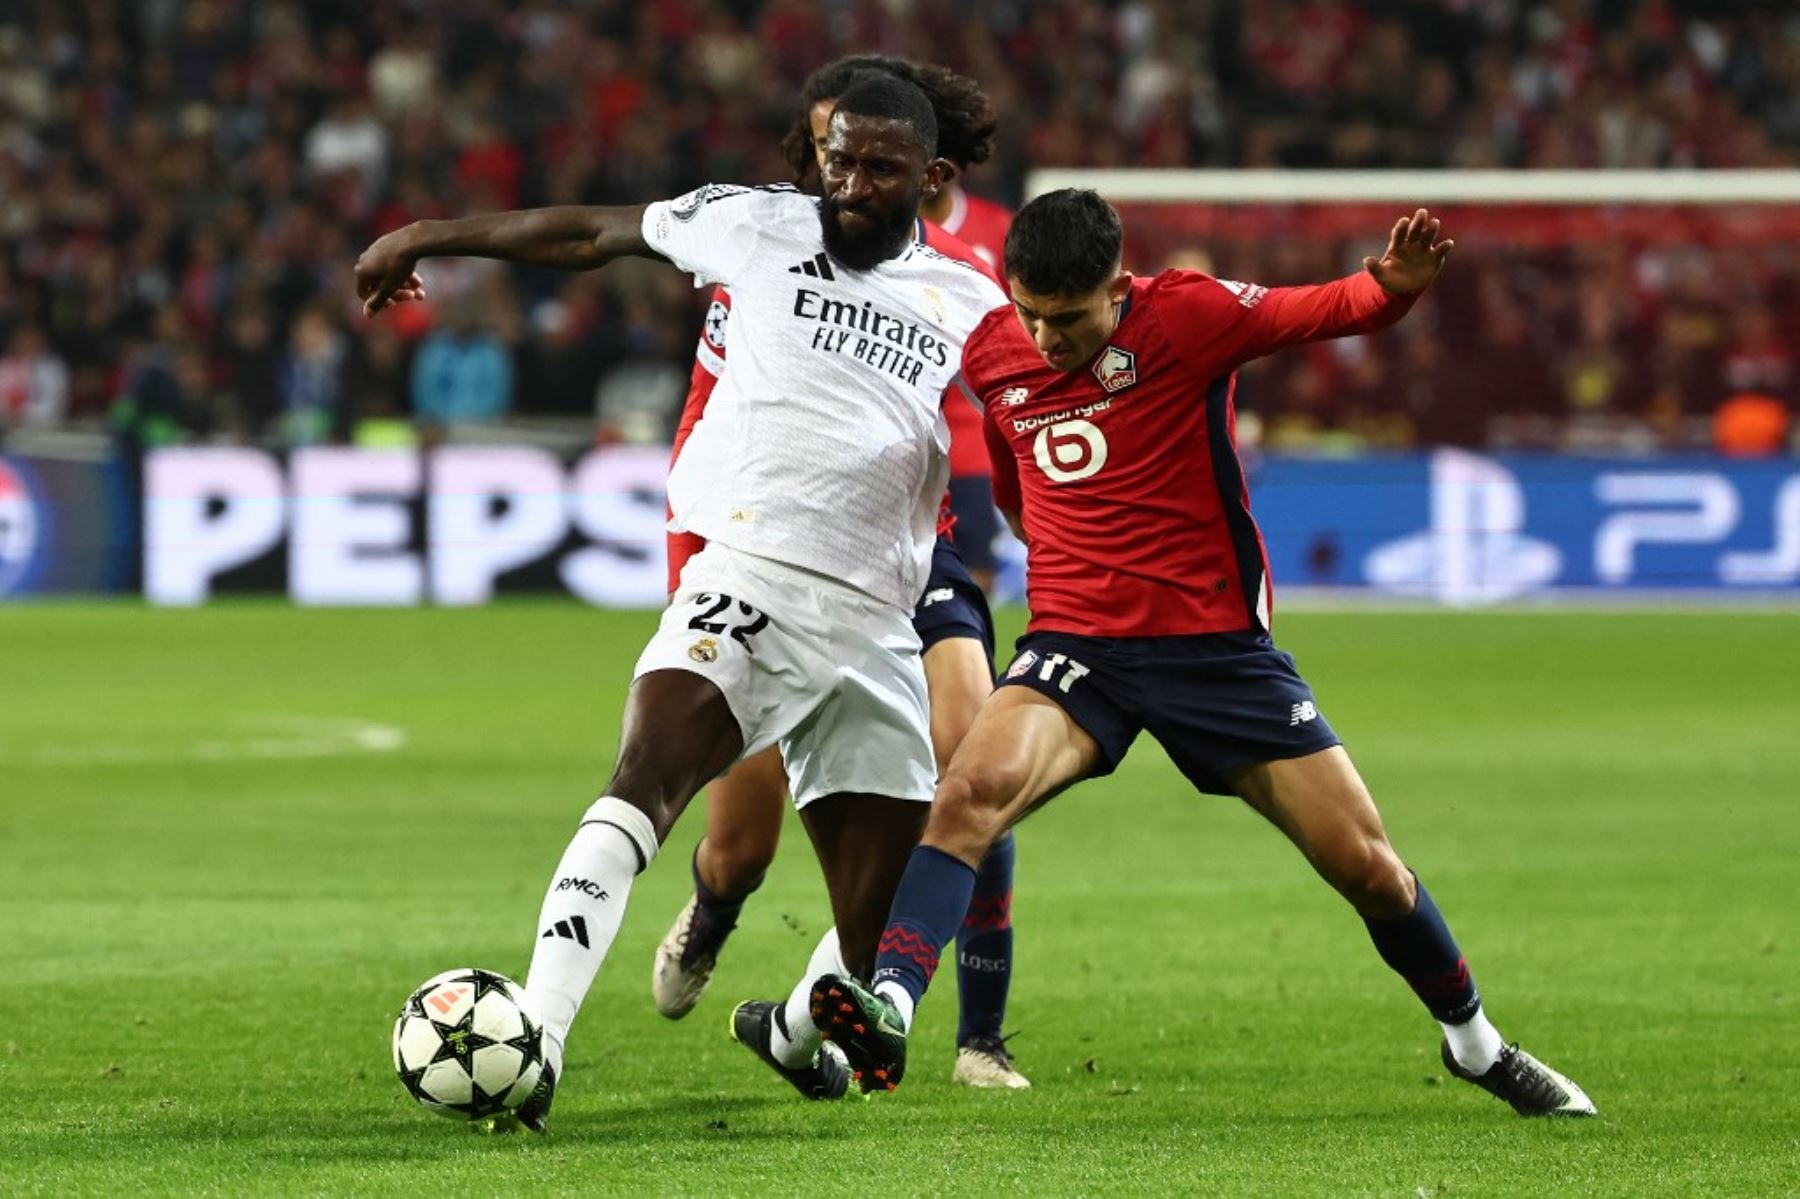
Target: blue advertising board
pixel 66 527
pixel 334 525
pixel 1463 528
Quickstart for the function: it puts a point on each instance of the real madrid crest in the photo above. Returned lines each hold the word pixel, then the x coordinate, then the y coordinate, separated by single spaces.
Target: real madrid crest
pixel 934 305
pixel 704 650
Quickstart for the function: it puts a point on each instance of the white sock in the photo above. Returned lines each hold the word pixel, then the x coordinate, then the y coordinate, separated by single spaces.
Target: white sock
pixel 582 910
pixel 1475 1043
pixel 901 998
pixel 795 1046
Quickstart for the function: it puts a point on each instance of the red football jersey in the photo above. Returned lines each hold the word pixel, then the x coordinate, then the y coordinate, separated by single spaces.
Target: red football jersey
pixel 1126 471
pixel 981 225
pixel 709 364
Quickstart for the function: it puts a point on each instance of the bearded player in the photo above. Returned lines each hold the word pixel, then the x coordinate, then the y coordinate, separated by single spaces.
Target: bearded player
pixel 815 479
pixel 744 808
pixel 1109 413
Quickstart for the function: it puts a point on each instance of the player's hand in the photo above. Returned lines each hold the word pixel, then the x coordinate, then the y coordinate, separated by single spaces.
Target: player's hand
pixel 387 273
pixel 1414 255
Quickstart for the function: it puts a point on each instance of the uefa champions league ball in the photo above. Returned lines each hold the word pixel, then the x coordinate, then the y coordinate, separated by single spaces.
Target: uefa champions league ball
pixel 467 1044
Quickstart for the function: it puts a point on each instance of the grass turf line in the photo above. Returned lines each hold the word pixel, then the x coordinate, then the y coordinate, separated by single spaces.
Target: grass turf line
pixel 208 916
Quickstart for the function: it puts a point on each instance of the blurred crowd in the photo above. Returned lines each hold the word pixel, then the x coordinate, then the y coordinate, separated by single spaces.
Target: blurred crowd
pixel 1604 329
pixel 185 183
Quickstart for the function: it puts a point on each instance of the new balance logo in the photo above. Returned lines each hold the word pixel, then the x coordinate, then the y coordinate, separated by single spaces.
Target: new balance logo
pixel 1302 713
pixel 572 929
pixel 938 596
pixel 818 266
pixel 1014 396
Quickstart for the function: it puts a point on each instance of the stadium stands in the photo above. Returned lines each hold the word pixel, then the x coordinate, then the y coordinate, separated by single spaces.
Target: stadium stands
pixel 183 186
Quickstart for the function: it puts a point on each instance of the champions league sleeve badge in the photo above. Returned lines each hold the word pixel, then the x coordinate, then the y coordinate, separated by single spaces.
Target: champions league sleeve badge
pixel 687 207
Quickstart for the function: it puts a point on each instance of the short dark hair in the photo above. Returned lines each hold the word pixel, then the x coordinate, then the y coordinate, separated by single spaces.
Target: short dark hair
pixel 890 98
pixel 1064 243
pixel 965 116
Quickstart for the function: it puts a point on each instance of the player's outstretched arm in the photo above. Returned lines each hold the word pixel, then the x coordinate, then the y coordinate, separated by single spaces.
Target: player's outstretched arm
pixel 1237 324
pixel 1414 255
pixel 572 238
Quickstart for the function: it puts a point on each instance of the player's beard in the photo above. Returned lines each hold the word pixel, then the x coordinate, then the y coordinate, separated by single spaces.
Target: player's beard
pixel 885 237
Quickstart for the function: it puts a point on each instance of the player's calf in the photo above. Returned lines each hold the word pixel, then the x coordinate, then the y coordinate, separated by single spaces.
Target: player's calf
pixel 1371 878
pixel 970 812
pixel 688 952
pixel 984 955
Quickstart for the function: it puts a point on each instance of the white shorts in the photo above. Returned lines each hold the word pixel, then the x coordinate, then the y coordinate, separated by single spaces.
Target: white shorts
pixel 829 673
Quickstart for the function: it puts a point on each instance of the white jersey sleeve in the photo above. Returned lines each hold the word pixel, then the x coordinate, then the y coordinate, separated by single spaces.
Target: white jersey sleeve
pixel 713 231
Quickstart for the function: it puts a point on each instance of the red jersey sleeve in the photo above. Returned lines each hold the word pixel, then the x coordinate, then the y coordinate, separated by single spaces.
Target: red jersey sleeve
pixel 709 364
pixel 1006 467
pixel 968 453
pixel 1224 324
pixel 1005 478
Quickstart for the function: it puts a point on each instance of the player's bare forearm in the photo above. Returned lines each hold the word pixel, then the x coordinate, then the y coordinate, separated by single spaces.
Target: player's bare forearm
pixel 1016 523
pixel 574 238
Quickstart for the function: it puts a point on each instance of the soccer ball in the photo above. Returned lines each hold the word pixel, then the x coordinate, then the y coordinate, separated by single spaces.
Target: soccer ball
pixel 467 1044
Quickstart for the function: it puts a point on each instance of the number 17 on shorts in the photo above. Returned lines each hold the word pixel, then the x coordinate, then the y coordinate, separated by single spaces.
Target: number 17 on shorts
pixel 1047 667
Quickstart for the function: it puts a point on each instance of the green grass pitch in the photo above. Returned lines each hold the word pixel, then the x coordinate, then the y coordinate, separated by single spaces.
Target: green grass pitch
pixel 232 840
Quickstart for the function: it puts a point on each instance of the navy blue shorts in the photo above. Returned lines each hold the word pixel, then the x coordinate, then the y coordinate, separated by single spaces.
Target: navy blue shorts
pixel 953 606
pixel 1217 702
pixel 977 520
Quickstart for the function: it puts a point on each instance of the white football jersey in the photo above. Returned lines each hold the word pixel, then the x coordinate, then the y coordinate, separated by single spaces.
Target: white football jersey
pixel 824 446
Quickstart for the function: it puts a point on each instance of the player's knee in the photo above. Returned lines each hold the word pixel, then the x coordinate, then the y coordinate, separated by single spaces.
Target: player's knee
pixel 968 813
pixel 1375 881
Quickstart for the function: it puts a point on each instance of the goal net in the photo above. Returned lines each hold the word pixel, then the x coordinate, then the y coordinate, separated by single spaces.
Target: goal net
pixel 1590 311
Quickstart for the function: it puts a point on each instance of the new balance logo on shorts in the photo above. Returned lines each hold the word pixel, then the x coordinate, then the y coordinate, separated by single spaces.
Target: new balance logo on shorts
pixel 818 266
pixel 572 929
pixel 1302 713
pixel 938 596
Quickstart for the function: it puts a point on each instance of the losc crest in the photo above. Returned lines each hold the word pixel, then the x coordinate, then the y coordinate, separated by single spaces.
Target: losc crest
pixel 19 528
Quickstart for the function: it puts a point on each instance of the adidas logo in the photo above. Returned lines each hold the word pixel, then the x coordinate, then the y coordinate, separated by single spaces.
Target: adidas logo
pixel 572 929
pixel 818 266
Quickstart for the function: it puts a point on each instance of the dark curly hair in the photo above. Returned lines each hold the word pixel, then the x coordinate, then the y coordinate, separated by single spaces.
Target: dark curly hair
pixel 965 116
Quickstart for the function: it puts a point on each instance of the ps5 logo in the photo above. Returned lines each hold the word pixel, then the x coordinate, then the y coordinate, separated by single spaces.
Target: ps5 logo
pixel 1651 522
pixel 1476 550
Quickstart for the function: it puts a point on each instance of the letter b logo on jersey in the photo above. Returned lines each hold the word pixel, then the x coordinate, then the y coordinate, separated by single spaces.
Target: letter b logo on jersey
pixel 1070 450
